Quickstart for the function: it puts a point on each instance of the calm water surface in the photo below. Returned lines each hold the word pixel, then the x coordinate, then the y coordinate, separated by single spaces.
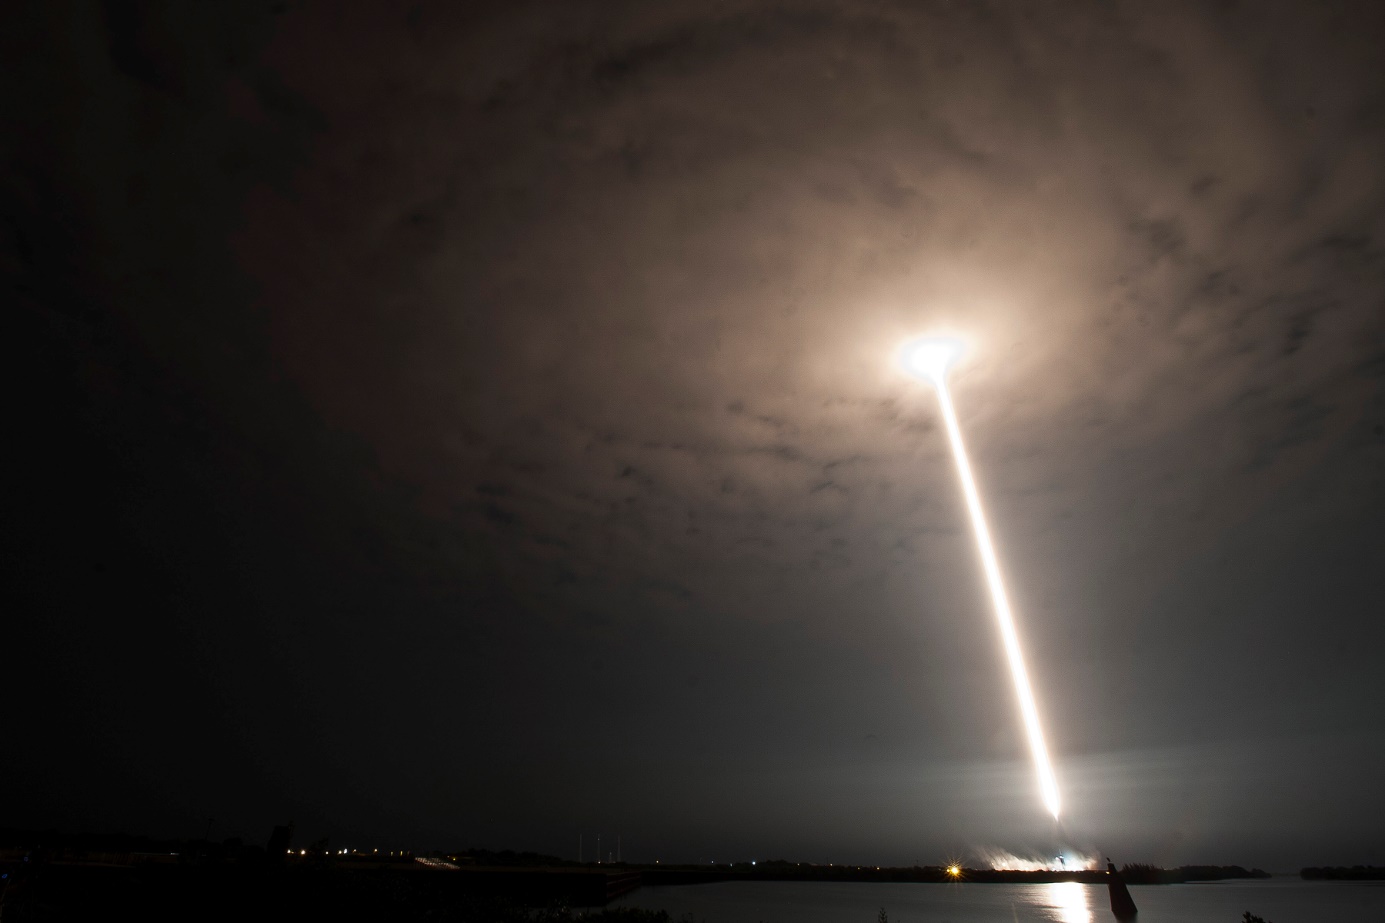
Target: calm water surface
pixel 1278 901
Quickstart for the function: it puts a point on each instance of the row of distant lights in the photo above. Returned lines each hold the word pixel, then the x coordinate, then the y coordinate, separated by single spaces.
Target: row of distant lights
pixel 348 852
pixel 954 870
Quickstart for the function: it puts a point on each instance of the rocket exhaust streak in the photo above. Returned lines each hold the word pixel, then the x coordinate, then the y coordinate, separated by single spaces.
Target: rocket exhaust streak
pixel 1048 784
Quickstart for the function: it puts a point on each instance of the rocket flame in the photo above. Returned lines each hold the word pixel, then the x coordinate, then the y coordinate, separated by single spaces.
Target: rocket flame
pixel 1048 783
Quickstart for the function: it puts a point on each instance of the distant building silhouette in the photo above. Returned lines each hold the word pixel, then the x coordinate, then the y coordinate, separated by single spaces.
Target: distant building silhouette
pixel 279 842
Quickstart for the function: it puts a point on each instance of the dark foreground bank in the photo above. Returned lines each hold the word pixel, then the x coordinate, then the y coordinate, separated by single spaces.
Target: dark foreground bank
pixel 154 893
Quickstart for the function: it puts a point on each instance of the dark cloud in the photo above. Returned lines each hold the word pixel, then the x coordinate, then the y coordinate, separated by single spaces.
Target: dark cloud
pixel 498 400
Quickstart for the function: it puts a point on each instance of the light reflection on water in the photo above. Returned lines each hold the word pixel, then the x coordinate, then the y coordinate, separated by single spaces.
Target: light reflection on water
pixel 1282 900
pixel 1069 901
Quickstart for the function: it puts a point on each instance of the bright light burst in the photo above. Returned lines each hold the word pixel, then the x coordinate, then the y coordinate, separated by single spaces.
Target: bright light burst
pixel 929 359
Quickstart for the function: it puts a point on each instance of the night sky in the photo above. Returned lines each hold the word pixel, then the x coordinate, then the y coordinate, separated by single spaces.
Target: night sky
pixel 459 426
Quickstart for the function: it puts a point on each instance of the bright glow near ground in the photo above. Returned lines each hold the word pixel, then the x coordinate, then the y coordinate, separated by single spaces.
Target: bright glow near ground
pixel 1003 860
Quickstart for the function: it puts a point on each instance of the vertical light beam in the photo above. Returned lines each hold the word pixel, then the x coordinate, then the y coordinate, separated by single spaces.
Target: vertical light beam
pixel 1048 783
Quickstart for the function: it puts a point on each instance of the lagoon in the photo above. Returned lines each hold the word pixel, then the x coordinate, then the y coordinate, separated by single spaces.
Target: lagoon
pixel 1280 900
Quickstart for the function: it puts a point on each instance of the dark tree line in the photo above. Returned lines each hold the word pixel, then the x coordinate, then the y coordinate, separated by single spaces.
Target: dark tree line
pixel 1142 874
pixel 1342 873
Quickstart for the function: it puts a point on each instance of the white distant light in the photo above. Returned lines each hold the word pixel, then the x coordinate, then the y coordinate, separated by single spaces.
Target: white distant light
pixel 929 358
